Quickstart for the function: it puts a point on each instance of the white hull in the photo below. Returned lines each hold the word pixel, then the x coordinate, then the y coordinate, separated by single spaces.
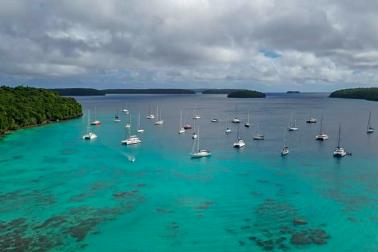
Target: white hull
pixel 339 152
pixel 258 137
pixel 140 130
pixel 128 125
pixel 96 123
pixel 228 131
pixel 181 131
pixel 117 120
pixel 196 117
pixel 370 131
pixel 239 144
pixel 285 151
pixel 321 137
pixel 235 120
pixel 131 140
pixel 214 120
pixel 201 154
pixel 89 136
pixel 152 116
pixel 194 136
pixel 161 122
pixel 292 129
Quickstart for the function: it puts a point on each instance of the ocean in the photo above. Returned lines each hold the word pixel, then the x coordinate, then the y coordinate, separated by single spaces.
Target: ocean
pixel 61 193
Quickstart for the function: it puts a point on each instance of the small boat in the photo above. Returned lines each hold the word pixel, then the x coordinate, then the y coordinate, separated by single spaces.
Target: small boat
pixel 239 143
pixel 195 115
pixel 369 128
pixel 89 135
pixel 181 128
pixel 140 130
pixel 247 124
pixel 158 121
pixel 228 130
pixel 131 140
pixel 150 115
pixel 198 153
pixel 235 120
pixel 321 136
pixel 125 110
pixel 285 151
pixel 187 126
pixel 258 136
pixel 311 119
pixel 339 152
pixel 95 122
pixel 116 117
pixel 214 120
pixel 292 124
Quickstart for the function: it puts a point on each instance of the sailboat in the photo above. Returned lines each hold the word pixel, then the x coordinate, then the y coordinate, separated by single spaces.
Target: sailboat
pixel 181 128
pixel 116 117
pixel 194 135
pixel 239 143
pixel 150 115
pixel 228 130
pixel 258 136
pixel 214 120
pixel 236 119
pixel 321 136
pixel 125 110
pixel 247 124
pixel 292 124
pixel 89 135
pixel 311 119
pixel 128 124
pixel 369 128
pixel 195 115
pixel 158 121
pixel 198 153
pixel 285 150
pixel 95 122
pixel 140 130
pixel 131 139
pixel 339 151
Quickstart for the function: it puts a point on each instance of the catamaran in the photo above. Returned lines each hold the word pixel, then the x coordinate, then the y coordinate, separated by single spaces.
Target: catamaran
pixel 95 122
pixel 158 121
pixel 339 151
pixel 292 124
pixel 321 136
pixel 239 143
pixel 181 128
pixel 369 128
pixel 198 153
pixel 89 135
pixel 131 139
pixel 140 130
pixel 247 124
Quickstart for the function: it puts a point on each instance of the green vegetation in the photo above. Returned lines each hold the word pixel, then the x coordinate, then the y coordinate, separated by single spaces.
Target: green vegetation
pixel 246 94
pixel 149 91
pixel 78 91
pixel 219 91
pixel 370 94
pixel 25 107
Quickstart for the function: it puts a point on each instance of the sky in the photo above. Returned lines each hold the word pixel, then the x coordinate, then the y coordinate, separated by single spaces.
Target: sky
pixel 267 45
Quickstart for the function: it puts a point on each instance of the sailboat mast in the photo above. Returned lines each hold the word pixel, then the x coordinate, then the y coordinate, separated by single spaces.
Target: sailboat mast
pixel 368 126
pixel 89 115
pixel 321 124
pixel 139 121
pixel 198 138
pixel 180 119
pixel 338 141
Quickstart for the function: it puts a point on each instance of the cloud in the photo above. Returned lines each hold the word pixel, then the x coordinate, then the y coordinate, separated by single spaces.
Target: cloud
pixel 263 44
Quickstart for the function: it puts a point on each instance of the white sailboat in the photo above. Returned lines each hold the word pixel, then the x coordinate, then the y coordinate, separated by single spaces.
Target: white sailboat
pixel 292 124
pixel 95 122
pixel 236 118
pixel 339 152
pixel 247 124
pixel 322 136
pixel 258 136
pixel 89 135
pixel 150 115
pixel 140 130
pixel 131 139
pixel 158 121
pixel 311 119
pixel 239 143
pixel 194 135
pixel 181 128
pixel 125 110
pixel 195 115
pixel 116 117
pixel 128 124
pixel 198 153
pixel 214 120
pixel 285 150
pixel 228 130
pixel 369 128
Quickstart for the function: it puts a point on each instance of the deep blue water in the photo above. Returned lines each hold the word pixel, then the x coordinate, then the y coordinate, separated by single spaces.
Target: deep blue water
pixel 61 193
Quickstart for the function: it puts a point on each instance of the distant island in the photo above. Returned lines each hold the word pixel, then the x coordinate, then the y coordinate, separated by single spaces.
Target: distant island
pixel 22 107
pixel 370 94
pixel 220 91
pixel 246 94
pixel 293 92
pixel 93 92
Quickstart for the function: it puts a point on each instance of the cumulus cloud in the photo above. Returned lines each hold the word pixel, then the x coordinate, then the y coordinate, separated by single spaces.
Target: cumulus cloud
pixel 263 44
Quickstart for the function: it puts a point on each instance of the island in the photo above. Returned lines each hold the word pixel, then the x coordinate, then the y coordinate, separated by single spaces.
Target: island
pixel 246 94
pixel 370 94
pixel 23 107
pixel 220 91
pixel 292 92
pixel 149 91
pixel 78 91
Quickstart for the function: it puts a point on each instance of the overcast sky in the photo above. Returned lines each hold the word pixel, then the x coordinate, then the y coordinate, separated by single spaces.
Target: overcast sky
pixel 268 45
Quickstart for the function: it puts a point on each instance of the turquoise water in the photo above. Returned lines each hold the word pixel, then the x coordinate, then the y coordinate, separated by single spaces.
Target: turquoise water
pixel 61 193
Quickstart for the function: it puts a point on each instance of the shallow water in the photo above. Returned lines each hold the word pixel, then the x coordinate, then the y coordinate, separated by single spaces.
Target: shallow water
pixel 59 192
